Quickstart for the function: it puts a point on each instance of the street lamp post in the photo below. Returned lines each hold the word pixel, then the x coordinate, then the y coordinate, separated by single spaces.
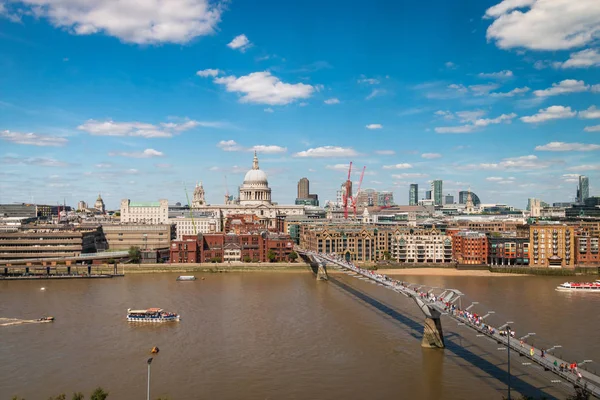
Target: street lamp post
pixel 148 391
pixel 508 332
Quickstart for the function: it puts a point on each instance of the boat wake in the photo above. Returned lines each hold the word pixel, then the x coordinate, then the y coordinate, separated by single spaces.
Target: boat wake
pixel 17 321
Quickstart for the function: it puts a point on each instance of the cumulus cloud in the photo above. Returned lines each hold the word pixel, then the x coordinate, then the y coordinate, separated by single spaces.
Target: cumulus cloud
pixel 385 152
pixel 595 128
pixel 523 162
pixel 232 145
pixel 132 21
pixel 409 176
pixel 148 153
pixel 240 43
pixel 369 81
pixel 562 146
pixel 398 166
pixel 563 87
pixel 142 129
pixel 450 65
pixel 332 101
pixel 32 139
pixel 475 122
pixel 374 126
pixel 455 129
pixel 512 93
pixel 35 161
pixel 581 59
pixel 543 24
pixel 209 72
pixel 590 113
pixel 264 88
pixel 497 75
pixel 327 151
pixel 431 156
pixel 500 180
pixel 502 118
pixel 550 113
pixel 585 167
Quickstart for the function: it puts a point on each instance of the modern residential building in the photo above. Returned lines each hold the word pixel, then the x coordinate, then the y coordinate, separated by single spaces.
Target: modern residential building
pixel 436 189
pixel 421 245
pixel 150 212
pixel 583 189
pixel 45 241
pixel 413 194
pixel 552 245
pixel 191 222
pixel 508 249
pixel 469 247
pixel 145 236
pixel 587 250
pixel 464 194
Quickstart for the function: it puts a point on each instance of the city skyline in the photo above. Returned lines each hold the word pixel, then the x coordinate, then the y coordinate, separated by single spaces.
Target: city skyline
pixel 144 107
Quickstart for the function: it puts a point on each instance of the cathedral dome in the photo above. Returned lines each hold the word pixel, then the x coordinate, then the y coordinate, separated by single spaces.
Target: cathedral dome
pixel 255 176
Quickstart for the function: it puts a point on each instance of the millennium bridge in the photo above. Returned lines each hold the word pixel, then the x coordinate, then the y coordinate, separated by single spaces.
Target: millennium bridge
pixel 436 303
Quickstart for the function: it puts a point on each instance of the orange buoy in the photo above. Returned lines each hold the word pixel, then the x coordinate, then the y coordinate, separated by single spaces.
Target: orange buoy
pixel 154 350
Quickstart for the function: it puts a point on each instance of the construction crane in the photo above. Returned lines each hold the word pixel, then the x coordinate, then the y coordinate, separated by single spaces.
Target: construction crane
pixel 191 213
pixel 347 192
pixel 355 198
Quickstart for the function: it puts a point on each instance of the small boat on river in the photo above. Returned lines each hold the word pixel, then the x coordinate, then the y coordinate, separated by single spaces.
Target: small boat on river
pixel 154 315
pixel 584 287
pixel 186 278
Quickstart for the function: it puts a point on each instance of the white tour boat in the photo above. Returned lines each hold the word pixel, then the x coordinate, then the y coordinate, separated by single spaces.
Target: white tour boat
pixel 151 315
pixel 585 287
pixel 186 278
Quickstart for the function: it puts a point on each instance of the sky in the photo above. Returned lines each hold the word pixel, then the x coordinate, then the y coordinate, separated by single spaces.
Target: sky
pixel 141 100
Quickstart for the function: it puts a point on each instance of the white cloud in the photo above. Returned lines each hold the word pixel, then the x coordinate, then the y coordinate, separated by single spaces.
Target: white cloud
pixel 267 149
pixel 327 151
pixel 585 167
pixel 209 72
pixel 431 156
pixel 595 128
pixel 547 114
pixel 571 177
pixel 500 180
pixel 132 21
pixel 582 59
pixel 455 129
pixel 240 42
pixel 562 146
pixel 369 81
pixel 543 24
pixel 450 65
pixel 566 86
pixel 332 101
pixel 483 90
pixel 374 126
pixel 444 114
pixel 523 162
pixel 398 166
pixel 502 118
pixel 338 167
pixel 103 165
pixel 35 161
pixel 511 93
pixel 470 116
pixel 229 145
pixel 497 75
pixel 33 139
pixel 409 176
pixel 264 88
pixel 148 153
pixel 268 110
pixel 142 129
pixel 385 152
pixel 590 113
pixel 375 93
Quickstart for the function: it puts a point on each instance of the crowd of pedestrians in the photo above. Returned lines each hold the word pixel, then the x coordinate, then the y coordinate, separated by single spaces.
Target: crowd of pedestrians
pixel 465 316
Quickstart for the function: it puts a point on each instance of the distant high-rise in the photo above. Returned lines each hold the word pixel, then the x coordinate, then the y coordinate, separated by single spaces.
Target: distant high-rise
pixel 413 195
pixel 448 199
pixel 462 197
pixel 303 188
pixel 583 190
pixel 436 189
pixel 428 195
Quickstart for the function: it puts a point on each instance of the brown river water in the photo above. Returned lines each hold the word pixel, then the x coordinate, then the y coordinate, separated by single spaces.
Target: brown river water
pixel 264 335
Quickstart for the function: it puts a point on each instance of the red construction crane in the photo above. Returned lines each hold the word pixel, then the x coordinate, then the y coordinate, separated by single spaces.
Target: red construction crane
pixel 355 198
pixel 347 192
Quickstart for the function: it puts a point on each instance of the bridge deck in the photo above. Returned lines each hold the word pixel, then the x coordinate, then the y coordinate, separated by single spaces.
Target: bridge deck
pixel 588 380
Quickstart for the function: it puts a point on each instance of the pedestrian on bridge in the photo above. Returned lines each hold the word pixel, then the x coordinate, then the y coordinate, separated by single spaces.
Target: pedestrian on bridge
pixel 531 352
pixel 543 353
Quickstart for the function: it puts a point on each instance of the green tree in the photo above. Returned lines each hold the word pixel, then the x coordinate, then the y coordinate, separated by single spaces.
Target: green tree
pixel 271 256
pixel 135 254
pixel 78 396
pixel 293 256
pixel 247 259
pixel 387 255
pixel 99 394
pixel 59 397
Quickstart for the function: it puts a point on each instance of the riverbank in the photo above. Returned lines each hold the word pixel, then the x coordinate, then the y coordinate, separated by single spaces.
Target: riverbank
pixel 447 272
pixel 212 268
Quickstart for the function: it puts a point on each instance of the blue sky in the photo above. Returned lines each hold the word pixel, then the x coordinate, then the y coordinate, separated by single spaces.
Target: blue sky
pixel 142 99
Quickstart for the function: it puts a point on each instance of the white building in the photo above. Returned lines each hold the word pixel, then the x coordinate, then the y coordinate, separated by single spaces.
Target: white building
pixel 421 246
pixel 186 224
pixel 255 198
pixel 151 212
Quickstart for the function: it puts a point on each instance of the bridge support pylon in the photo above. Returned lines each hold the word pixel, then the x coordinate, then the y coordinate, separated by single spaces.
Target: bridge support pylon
pixel 322 272
pixel 433 335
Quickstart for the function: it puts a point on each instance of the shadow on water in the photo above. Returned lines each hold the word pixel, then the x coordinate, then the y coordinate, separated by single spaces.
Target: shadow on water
pixel 460 351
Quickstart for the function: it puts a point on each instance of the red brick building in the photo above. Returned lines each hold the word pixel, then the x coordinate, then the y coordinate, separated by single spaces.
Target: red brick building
pixel 222 247
pixel 470 247
pixel 586 250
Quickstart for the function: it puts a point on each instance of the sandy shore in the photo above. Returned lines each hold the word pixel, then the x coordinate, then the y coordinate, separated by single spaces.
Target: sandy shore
pixel 443 272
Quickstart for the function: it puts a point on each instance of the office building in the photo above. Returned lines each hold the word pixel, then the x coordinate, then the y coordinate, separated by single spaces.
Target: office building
pixel 145 236
pixel 149 212
pixel 448 199
pixel 428 195
pixel 303 188
pixel 436 189
pixel 469 247
pixel 583 189
pixel 462 197
pixel 413 195
pixel 305 198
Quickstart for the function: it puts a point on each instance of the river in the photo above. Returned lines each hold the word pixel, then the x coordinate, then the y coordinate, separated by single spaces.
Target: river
pixel 264 335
